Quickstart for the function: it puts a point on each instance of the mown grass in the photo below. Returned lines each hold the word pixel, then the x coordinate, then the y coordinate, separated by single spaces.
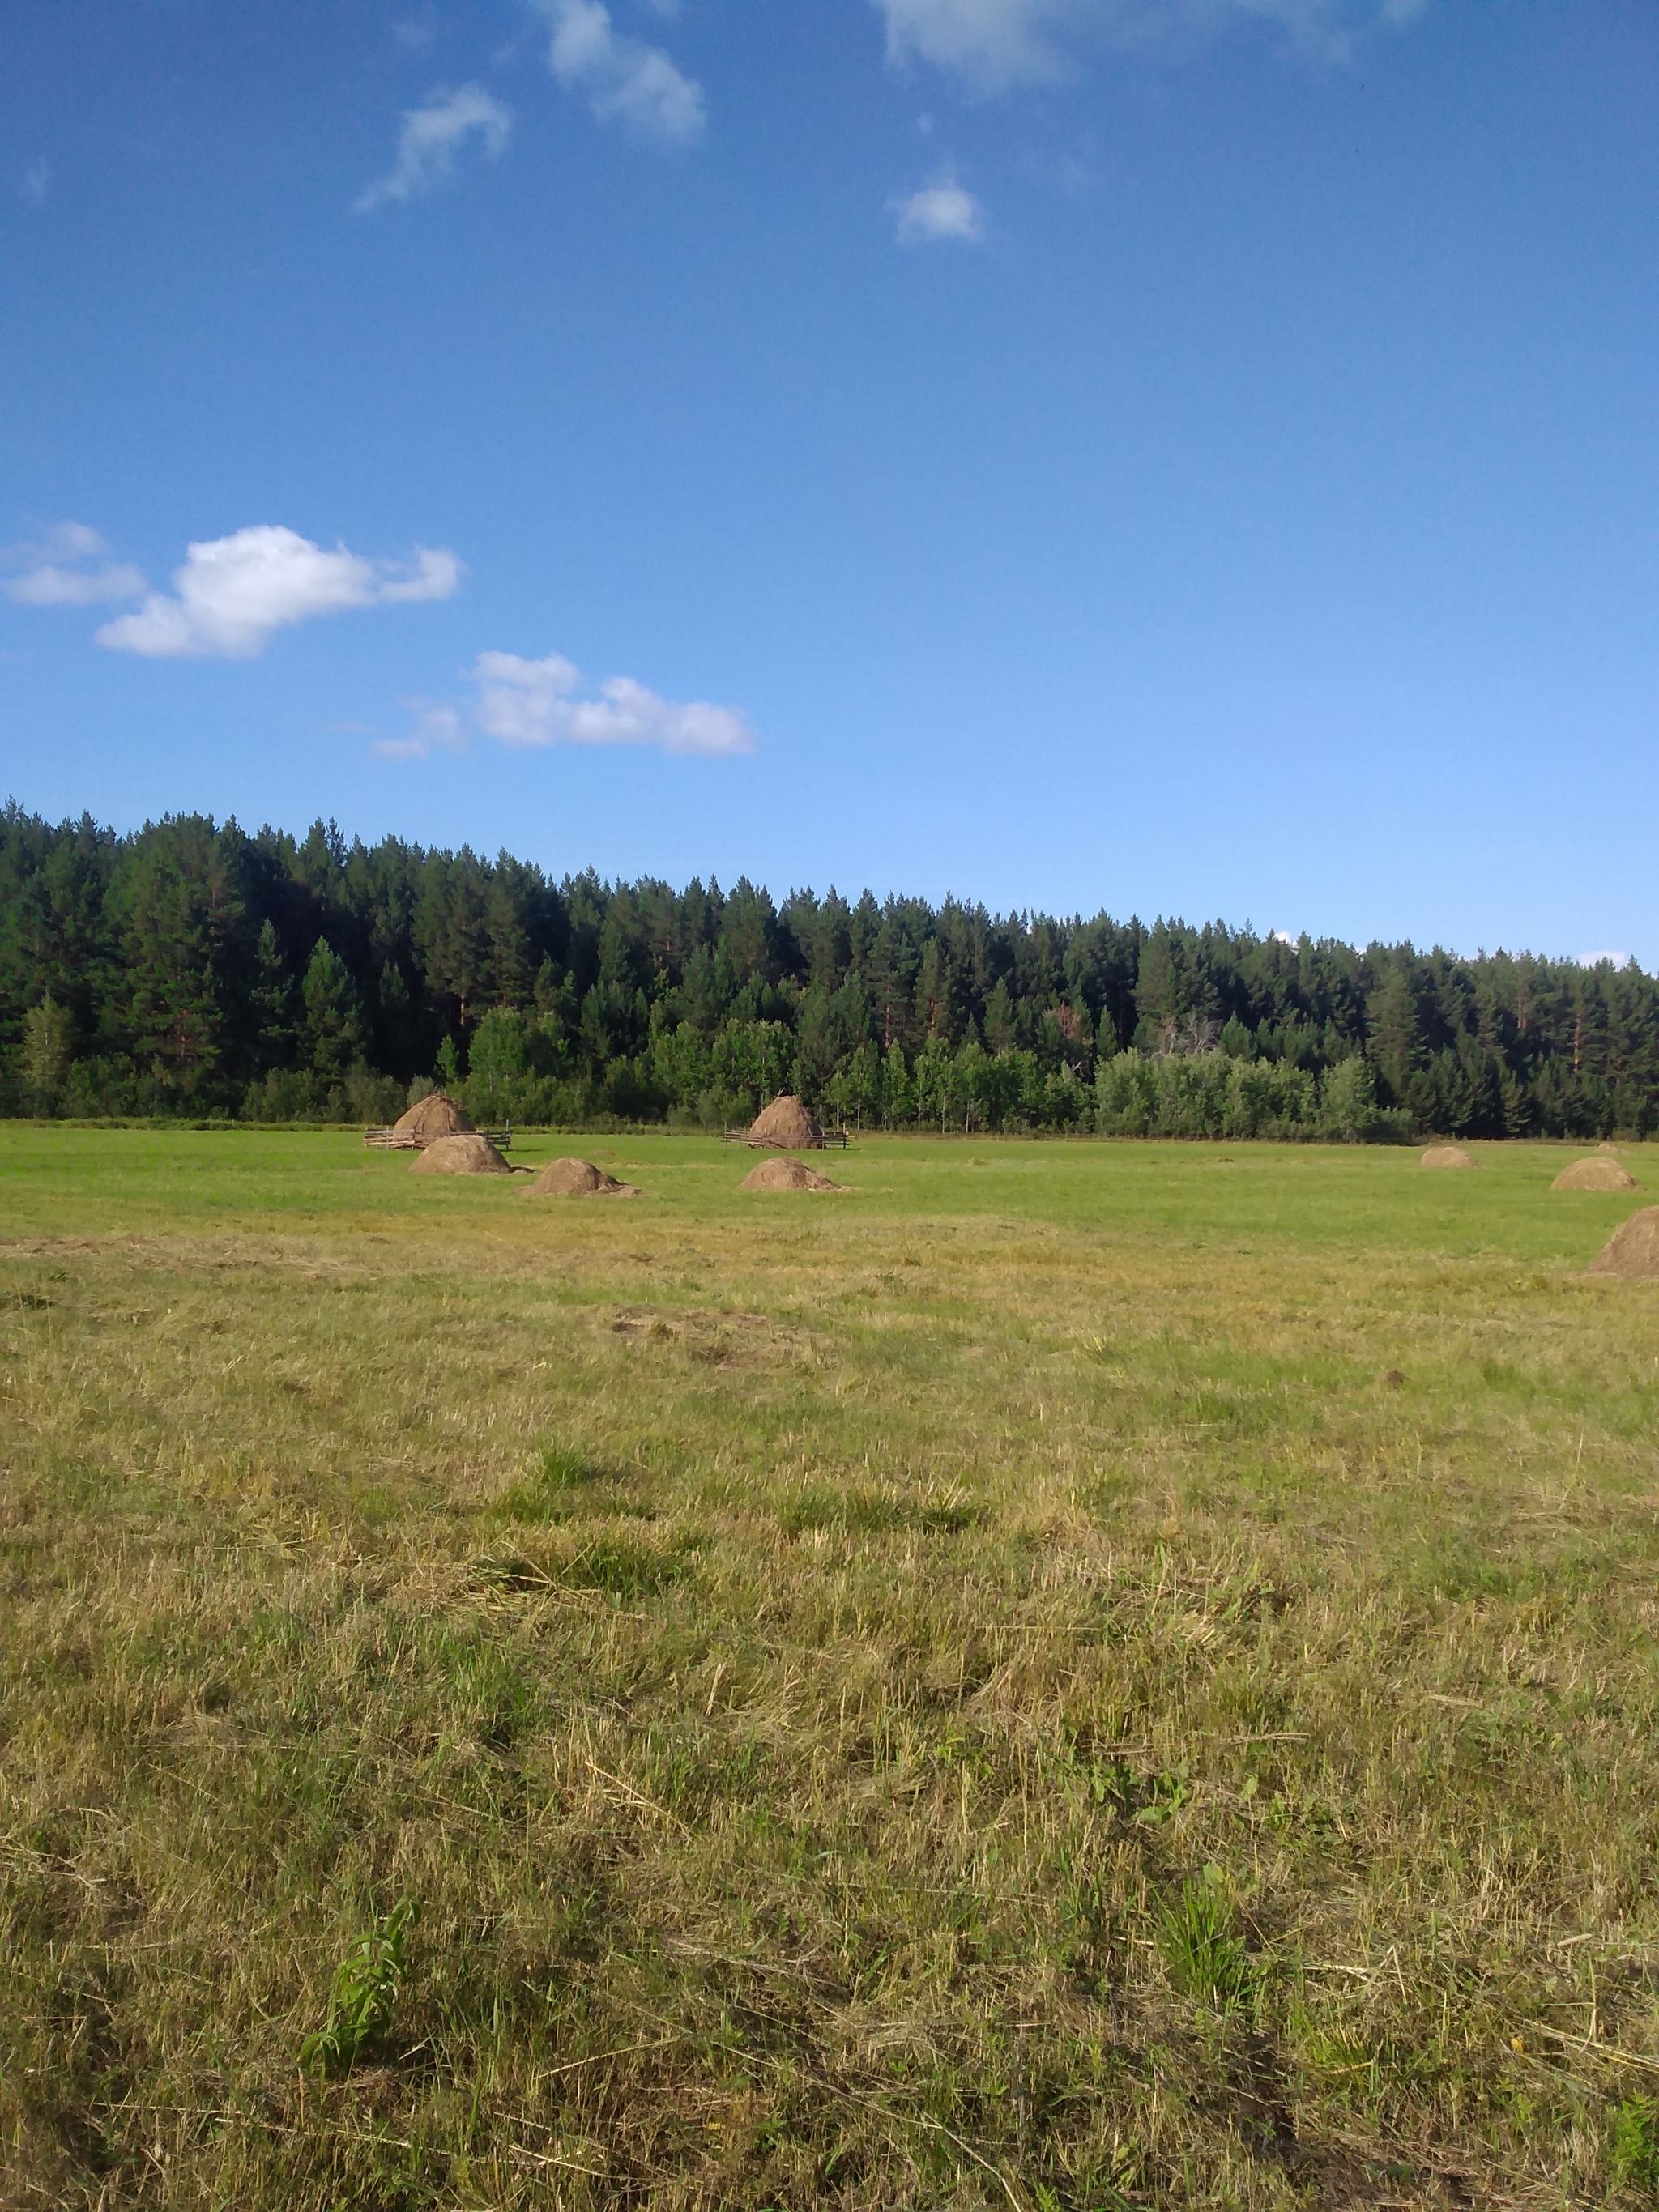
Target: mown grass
pixel 1071 1675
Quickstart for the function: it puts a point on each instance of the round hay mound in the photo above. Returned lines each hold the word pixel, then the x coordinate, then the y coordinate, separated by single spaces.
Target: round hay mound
pixel 579 1179
pixel 1632 1251
pixel 1448 1156
pixel 433 1116
pixel 1598 1174
pixel 787 1175
pixel 786 1124
pixel 467 1154
pixel 1605 1148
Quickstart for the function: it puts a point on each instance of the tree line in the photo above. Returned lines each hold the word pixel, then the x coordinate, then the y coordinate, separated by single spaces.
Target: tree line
pixel 193 968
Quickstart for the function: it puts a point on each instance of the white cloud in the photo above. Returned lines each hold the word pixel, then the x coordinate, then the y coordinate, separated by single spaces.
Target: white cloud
pixel 625 80
pixel 68 569
pixel 234 593
pixel 436 728
pixel 992 44
pixel 430 139
pixel 1594 959
pixel 942 211
pixel 526 703
pixel 37 182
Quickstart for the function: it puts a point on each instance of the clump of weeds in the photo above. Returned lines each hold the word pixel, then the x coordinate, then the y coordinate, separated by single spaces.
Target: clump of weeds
pixel 367 1982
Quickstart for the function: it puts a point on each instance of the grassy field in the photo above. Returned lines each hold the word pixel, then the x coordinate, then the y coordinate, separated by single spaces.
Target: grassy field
pixel 1071 1675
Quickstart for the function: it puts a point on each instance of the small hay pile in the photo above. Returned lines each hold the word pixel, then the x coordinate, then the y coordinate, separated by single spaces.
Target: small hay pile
pixel 786 1124
pixel 1632 1251
pixel 467 1154
pixel 787 1175
pixel 1448 1156
pixel 1598 1173
pixel 433 1116
pixel 579 1179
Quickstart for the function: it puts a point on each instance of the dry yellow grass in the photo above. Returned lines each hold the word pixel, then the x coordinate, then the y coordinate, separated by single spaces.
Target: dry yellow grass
pixel 1075 1675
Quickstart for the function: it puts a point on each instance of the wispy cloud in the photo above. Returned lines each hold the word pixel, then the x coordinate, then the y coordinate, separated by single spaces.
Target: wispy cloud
pixel 431 138
pixel 992 44
pixel 69 566
pixel 233 594
pixel 526 703
pixel 36 183
pixel 623 79
pixel 436 728
pixel 938 213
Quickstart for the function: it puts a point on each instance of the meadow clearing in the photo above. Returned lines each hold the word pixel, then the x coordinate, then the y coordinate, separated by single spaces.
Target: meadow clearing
pixel 1075 1675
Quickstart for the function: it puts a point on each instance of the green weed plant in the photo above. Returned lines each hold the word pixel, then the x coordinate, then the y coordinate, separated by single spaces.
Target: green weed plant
pixel 365 1989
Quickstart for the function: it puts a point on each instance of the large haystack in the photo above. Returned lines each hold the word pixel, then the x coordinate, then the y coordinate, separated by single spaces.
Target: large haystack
pixel 433 1116
pixel 787 1175
pixel 1598 1173
pixel 467 1154
pixel 1448 1156
pixel 1633 1250
pixel 786 1124
pixel 579 1179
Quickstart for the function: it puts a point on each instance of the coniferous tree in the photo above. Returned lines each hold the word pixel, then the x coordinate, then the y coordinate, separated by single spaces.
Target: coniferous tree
pixel 179 916
pixel 171 954
pixel 271 1001
pixel 334 1035
pixel 1396 1042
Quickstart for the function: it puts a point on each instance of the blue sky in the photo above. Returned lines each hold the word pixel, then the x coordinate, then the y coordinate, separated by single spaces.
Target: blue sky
pixel 1181 456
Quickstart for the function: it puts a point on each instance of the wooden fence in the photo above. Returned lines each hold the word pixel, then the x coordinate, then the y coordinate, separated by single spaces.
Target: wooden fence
pixel 399 1140
pixel 835 1140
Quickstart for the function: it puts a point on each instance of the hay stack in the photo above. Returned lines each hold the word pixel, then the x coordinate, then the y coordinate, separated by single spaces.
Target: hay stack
pixel 579 1179
pixel 786 1124
pixel 787 1175
pixel 1633 1250
pixel 467 1154
pixel 1598 1173
pixel 1448 1156
pixel 433 1116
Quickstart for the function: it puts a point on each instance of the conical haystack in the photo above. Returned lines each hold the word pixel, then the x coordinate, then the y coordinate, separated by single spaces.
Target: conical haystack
pixel 1597 1174
pixel 433 1116
pixel 787 1175
pixel 467 1154
pixel 1632 1251
pixel 1448 1156
pixel 786 1124
pixel 579 1179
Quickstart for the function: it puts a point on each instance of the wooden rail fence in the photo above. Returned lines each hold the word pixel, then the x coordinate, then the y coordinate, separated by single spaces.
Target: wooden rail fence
pixel 399 1140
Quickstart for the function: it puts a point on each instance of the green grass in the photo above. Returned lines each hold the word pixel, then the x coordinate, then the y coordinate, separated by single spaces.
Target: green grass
pixel 980 1691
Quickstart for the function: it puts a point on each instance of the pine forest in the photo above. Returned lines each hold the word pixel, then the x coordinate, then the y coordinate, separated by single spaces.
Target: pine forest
pixel 192 970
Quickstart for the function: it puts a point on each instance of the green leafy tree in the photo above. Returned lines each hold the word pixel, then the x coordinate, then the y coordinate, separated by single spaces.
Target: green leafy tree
pixel 48 1049
pixel 898 1092
pixel 497 1064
